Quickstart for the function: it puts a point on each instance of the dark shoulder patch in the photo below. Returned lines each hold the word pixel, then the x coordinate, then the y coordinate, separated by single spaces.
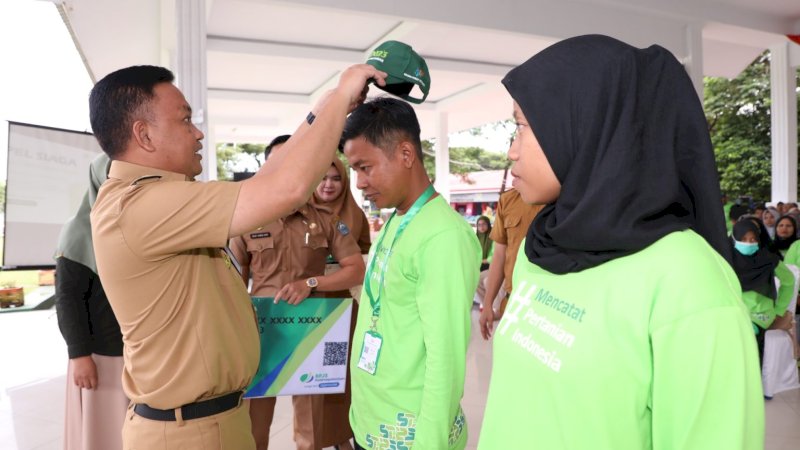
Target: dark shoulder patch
pixel 145 180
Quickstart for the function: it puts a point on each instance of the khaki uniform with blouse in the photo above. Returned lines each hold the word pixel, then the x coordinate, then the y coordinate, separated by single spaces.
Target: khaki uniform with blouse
pixel 187 322
pixel 293 248
pixel 511 223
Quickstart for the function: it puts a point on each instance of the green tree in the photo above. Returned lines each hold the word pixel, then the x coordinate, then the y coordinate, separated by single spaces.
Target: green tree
pixel 464 159
pixel 226 159
pixel 254 151
pixel 231 157
pixel 738 114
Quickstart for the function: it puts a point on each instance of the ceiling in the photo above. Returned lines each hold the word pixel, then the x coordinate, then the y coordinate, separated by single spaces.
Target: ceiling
pixel 267 61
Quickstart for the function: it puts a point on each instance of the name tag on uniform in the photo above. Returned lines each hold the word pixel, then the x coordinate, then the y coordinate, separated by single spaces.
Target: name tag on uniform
pixel 266 234
pixel 370 352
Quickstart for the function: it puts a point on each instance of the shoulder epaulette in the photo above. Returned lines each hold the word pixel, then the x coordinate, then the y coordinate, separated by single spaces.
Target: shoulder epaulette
pixel 145 179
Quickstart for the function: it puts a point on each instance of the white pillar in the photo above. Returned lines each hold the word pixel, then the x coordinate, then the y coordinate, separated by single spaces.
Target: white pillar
pixel 694 60
pixel 784 124
pixel 442 161
pixel 358 196
pixel 209 153
pixel 190 71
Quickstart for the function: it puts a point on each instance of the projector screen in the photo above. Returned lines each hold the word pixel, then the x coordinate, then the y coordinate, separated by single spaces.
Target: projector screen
pixel 48 174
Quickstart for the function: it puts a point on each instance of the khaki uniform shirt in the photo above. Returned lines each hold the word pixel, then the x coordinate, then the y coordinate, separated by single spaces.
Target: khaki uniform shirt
pixel 187 322
pixel 292 248
pixel 511 223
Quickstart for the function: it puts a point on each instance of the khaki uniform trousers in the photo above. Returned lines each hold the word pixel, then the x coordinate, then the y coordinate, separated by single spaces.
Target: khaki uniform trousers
pixel 307 420
pixel 229 430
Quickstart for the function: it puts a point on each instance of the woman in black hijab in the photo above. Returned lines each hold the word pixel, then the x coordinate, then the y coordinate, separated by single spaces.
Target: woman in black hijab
pixel 756 267
pixel 625 297
pixel 764 240
pixel 785 234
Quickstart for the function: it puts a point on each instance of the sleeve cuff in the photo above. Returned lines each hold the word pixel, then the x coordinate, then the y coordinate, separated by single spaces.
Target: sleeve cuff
pixel 78 350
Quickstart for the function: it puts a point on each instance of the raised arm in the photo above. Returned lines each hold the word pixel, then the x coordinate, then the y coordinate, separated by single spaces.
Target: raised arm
pixel 286 181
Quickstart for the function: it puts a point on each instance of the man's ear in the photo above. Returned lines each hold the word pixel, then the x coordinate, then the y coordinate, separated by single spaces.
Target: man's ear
pixel 407 153
pixel 141 135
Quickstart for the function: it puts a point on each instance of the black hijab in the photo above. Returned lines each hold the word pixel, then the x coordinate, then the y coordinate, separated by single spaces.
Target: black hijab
pixel 764 241
pixel 782 244
pixel 627 138
pixel 755 272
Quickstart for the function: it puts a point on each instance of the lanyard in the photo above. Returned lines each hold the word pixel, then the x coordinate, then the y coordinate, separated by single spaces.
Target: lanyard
pixel 374 298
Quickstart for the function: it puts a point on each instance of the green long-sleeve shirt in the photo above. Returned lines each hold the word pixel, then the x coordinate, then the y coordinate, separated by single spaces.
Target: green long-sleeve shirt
pixel 763 309
pixel 792 255
pixel 413 399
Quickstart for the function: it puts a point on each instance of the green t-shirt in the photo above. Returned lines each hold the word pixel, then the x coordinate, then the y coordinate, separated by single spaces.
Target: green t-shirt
pixel 649 351
pixel 726 209
pixel 413 400
pixel 763 309
pixel 792 255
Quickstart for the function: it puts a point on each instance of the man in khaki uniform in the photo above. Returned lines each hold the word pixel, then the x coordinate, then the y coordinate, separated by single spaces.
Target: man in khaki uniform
pixel 511 223
pixel 286 259
pixel 189 331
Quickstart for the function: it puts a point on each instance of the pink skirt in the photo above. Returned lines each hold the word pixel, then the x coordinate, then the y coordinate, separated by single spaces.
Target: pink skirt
pixel 93 418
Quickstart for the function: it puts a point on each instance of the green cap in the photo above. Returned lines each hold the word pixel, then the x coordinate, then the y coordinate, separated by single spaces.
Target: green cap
pixel 405 68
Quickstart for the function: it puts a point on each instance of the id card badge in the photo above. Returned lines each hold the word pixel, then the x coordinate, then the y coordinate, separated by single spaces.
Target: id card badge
pixel 370 352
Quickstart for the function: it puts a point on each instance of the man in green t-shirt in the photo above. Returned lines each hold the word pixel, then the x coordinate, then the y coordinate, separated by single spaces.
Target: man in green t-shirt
pixel 410 343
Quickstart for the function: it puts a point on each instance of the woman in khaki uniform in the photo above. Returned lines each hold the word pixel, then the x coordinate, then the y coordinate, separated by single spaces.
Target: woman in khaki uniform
pixel 286 260
pixel 333 193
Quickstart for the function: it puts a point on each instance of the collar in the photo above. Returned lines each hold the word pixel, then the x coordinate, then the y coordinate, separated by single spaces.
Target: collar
pixel 126 171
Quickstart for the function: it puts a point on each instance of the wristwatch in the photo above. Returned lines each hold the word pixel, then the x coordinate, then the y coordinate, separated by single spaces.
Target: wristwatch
pixel 312 283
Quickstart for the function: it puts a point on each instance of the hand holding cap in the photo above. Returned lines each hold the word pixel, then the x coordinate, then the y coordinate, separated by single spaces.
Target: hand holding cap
pixel 405 69
pixel 355 80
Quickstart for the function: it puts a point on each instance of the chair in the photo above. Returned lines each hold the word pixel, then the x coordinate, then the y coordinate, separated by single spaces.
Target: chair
pixel 779 369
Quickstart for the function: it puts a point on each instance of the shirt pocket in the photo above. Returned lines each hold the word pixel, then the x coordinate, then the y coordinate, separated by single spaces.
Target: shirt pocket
pixel 317 241
pixel 512 221
pixel 260 244
pixel 265 257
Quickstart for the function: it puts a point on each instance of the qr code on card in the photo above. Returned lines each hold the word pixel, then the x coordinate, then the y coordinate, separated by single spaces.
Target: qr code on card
pixel 335 354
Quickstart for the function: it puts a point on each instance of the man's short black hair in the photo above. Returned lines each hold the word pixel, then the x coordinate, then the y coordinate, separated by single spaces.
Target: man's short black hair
pixel 277 141
pixel 384 122
pixel 118 100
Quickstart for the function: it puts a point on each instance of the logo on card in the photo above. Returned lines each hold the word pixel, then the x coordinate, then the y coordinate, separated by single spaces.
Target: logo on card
pixel 265 234
pixel 306 378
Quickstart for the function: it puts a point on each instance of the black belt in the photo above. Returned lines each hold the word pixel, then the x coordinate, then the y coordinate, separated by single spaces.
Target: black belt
pixel 191 411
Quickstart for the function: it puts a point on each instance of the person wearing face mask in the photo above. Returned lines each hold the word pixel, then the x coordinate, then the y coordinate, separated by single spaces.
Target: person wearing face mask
pixel 764 241
pixel 625 327
pixel 333 196
pixel 756 269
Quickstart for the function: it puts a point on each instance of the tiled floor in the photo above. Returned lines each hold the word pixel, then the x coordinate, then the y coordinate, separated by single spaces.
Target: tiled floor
pixel 33 368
